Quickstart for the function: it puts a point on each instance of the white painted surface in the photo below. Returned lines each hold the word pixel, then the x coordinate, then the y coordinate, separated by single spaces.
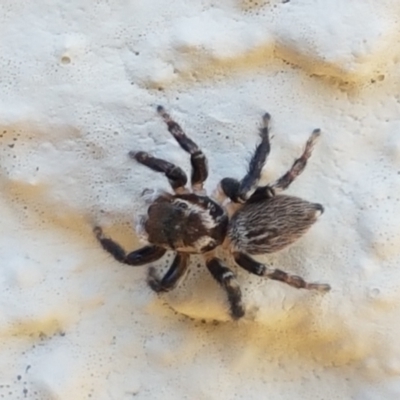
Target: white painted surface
pixel 79 82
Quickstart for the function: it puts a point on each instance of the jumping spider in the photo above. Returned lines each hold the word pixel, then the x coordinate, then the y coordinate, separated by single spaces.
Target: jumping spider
pixel 245 218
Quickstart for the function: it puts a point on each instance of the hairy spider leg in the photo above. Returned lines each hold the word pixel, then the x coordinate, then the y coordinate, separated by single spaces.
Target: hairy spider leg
pixel 254 267
pixel 197 157
pixel 285 180
pixel 142 256
pixel 176 176
pixel 299 164
pixel 227 279
pixel 240 192
pixel 261 193
pixel 175 274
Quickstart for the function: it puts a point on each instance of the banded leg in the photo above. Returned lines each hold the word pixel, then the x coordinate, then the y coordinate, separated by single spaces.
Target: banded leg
pixel 226 278
pixel 254 267
pixel 142 256
pixel 176 176
pixel 240 192
pixel 261 193
pixel 197 157
pixel 172 278
pixel 299 164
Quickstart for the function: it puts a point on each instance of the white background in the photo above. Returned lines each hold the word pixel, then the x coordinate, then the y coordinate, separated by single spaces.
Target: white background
pixel 79 83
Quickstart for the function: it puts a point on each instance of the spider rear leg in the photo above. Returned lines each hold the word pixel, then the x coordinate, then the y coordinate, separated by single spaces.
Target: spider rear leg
pixel 173 276
pixel 240 192
pixel 227 279
pixel 197 157
pixel 254 267
pixel 299 164
pixel 142 256
pixel 176 176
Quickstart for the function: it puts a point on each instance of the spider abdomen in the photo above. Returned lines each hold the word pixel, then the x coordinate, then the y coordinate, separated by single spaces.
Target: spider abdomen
pixel 269 225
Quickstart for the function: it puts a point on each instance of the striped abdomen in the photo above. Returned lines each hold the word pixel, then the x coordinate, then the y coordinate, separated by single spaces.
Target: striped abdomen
pixel 270 225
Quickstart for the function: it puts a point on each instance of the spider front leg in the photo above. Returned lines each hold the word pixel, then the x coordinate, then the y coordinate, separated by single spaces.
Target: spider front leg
pixel 197 157
pixel 172 278
pixel 254 267
pixel 299 164
pixel 142 256
pixel 240 192
pixel 176 176
pixel 227 279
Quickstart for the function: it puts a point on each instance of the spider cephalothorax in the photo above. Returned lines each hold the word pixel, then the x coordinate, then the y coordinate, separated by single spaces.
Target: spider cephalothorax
pixel 245 218
pixel 186 223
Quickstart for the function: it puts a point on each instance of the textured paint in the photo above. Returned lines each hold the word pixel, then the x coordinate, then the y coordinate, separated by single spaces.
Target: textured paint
pixel 80 82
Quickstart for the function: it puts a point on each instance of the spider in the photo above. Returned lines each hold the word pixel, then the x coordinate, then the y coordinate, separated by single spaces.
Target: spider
pixel 243 217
